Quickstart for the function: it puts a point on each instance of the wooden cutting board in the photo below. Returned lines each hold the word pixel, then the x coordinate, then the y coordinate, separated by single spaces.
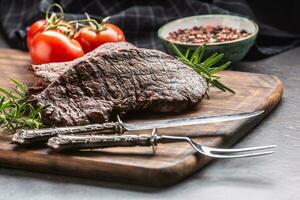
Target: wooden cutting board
pixel 138 165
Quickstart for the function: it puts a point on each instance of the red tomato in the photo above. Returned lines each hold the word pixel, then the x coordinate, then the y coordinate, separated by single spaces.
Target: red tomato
pixel 40 26
pixel 35 28
pixel 53 46
pixel 89 39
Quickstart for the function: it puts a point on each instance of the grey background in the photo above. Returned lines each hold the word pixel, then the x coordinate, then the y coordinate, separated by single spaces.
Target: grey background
pixel 271 177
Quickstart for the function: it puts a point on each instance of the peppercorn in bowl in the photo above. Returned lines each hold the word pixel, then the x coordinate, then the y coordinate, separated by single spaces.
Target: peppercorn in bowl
pixel 231 35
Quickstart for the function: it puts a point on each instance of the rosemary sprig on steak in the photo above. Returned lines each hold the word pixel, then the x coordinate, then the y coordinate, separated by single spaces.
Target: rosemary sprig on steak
pixel 205 68
pixel 15 111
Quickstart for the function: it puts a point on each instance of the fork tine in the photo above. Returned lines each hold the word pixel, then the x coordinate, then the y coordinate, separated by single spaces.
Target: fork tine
pixel 219 150
pixel 228 153
pixel 241 155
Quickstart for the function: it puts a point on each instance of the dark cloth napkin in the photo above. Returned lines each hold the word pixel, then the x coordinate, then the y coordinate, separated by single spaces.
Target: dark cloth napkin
pixel 140 19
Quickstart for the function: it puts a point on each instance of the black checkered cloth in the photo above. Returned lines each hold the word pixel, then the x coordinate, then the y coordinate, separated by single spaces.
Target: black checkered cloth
pixel 140 19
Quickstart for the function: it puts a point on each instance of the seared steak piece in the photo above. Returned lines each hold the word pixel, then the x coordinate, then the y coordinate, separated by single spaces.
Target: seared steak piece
pixel 119 80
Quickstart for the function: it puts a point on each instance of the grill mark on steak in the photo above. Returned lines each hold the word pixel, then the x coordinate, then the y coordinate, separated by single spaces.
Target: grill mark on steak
pixel 117 81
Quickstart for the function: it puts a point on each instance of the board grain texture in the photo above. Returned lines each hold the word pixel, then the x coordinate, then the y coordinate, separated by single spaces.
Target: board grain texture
pixel 137 165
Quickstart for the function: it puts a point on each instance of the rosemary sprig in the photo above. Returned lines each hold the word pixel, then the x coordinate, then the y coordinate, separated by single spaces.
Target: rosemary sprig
pixel 15 111
pixel 205 68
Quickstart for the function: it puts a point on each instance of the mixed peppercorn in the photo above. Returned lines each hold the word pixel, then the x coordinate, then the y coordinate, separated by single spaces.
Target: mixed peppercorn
pixel 207 34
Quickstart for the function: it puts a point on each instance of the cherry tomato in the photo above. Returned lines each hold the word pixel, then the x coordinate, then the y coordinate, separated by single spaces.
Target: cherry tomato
pixel 35 28
pixel 40 26
pixel 53 46
pixel 90 39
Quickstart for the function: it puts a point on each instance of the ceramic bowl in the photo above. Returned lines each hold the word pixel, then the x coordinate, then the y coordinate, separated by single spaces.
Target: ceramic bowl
pixel 233 51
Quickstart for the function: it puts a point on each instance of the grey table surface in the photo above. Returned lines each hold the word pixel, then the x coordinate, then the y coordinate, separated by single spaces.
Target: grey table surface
pixel 271 177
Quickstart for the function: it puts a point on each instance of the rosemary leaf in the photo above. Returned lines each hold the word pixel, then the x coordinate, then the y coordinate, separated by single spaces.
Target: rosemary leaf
pixel 213 61
pixel 7 94
pixel 187 53
pixel 218 69
pixel 195 55
pixel 200 56
pixel 198 68
pixel 176 50
pixel 220 85
pixel 210 58
pixel 20 86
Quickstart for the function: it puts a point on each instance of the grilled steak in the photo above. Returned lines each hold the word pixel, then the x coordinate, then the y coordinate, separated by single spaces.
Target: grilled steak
pixel 116 81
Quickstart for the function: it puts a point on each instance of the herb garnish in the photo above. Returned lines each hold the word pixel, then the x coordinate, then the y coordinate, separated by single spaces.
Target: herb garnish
pixel 205 68
pixel 15 111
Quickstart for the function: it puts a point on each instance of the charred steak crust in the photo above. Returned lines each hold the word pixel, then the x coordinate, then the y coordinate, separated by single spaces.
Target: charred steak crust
pixel 119 81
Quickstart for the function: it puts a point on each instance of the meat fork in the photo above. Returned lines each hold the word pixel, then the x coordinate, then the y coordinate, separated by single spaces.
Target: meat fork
pixel 68 142
pixel 220 152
